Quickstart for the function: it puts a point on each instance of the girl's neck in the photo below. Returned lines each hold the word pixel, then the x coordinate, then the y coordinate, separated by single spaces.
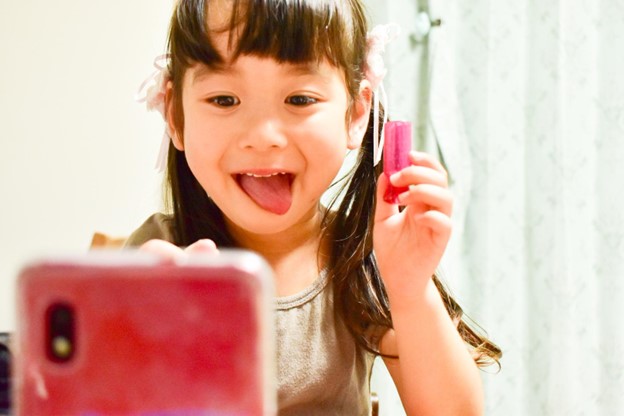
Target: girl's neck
pixel 302 233
pixel 292 253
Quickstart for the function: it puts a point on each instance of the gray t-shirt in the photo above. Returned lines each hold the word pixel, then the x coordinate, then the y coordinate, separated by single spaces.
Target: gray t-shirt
pixel 321 369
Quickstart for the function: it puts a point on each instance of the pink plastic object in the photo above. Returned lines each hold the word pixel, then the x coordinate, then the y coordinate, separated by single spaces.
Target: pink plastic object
pixel 149 338
pixel 397 145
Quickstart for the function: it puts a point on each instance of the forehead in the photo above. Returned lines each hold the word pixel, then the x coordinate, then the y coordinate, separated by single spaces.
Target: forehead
pixel 211 37
pixel 289 30
pixel 219 15
pixel 249 65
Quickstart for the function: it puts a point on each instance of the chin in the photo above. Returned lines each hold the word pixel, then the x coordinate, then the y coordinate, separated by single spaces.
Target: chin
pixel 262 222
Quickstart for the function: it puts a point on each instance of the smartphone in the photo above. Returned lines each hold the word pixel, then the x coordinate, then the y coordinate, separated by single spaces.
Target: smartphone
pixel 5 374
pixel 126 333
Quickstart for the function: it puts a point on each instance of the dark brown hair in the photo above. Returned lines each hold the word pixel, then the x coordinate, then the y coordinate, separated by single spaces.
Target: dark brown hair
pixel 298 31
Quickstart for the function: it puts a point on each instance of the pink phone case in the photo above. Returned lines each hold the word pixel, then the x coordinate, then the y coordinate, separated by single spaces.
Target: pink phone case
pixel 122 333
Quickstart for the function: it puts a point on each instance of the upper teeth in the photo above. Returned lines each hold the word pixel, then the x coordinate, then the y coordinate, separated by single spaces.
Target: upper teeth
pixel 254 175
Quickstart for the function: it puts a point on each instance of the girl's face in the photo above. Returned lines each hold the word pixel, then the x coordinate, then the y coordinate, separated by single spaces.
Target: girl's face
pixel 266 139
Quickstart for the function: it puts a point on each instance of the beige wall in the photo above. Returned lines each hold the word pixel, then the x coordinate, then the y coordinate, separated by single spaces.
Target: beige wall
pixel 77 151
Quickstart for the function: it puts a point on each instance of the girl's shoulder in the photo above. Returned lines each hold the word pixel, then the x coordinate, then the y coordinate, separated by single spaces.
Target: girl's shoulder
pixel 157 226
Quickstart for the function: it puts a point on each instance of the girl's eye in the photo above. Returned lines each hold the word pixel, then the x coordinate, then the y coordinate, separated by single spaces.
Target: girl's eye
pixel 301 100
pixel 224 100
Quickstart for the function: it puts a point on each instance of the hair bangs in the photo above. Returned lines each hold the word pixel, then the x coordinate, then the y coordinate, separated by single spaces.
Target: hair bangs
pixel 295 31
pixel 189 41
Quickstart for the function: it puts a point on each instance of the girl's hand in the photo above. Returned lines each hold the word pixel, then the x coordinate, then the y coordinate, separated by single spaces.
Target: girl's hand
pixel 169 251
pixel 409 244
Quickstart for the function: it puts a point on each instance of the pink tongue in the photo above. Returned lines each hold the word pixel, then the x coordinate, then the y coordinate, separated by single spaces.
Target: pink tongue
pixel 271 193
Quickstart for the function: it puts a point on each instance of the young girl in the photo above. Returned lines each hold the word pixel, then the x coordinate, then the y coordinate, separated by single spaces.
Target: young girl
pixel 262 101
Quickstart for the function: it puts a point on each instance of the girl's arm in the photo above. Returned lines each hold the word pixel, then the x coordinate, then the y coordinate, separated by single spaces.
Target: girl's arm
pixel 434 374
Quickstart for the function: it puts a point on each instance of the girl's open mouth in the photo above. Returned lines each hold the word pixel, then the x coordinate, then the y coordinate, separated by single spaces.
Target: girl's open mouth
pixel 271 192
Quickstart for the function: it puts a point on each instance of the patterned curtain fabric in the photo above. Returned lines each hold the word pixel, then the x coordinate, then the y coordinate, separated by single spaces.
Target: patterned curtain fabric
pixel 524 102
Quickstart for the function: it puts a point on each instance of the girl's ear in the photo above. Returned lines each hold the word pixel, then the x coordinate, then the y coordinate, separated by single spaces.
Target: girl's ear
pixel 360 113
pixel 170 118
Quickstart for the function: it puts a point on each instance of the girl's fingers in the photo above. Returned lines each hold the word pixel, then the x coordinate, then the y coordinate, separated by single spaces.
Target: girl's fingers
pixel 430 196
pixel 425 159
pixel 413 175
pixel 439 223
pixel 383 210
pixel 162 248
pixel 204 246
pixel 424 169
pixel 168 251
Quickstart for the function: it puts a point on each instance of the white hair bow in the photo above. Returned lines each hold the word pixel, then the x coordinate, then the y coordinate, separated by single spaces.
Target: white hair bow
pixel 375 71
pixel 152 92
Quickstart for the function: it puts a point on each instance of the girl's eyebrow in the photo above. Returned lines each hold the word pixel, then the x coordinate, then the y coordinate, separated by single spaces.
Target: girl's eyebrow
pixel 306 69
pixel 311 69
pixel 298 69
pixel 203 71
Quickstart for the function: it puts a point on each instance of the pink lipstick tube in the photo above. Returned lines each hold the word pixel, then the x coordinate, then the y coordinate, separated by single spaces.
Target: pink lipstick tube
pixel 397 145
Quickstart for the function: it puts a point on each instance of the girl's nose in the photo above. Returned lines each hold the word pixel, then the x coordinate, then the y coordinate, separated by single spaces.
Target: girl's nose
pixel 263 133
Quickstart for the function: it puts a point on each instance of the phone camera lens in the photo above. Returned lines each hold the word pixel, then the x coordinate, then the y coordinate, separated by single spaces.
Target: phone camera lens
pixel 60 338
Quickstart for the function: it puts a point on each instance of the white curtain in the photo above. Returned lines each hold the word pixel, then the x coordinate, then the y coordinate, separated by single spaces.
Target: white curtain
pixel 525 105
